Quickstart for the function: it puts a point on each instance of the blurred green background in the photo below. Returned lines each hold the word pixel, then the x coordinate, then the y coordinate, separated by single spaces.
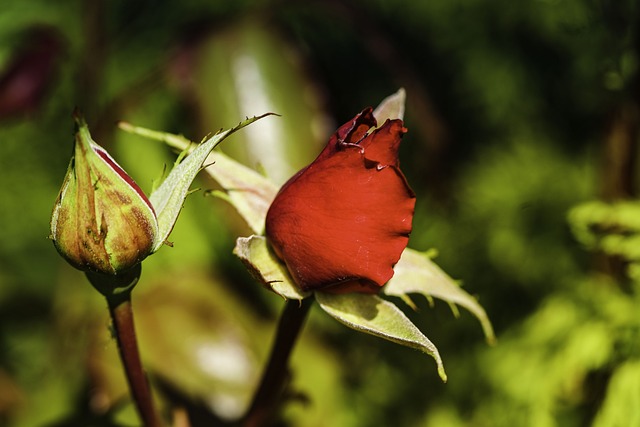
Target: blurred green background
pixel 518 113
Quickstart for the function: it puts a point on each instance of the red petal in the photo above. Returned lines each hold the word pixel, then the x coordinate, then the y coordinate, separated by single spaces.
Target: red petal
pixel 342 220
pixel 382 145
pixel 350 132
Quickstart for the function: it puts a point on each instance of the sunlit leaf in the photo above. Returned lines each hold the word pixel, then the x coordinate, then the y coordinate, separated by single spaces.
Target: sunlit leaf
pixel 247 191
pixel 265 267
pixel 417 273
pixel 610 227
pixel 373 315
pixel 168 198
pixel 623 391
pixel 246 68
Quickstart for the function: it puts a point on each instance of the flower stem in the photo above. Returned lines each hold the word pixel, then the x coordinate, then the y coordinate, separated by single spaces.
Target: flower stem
pixel 125 334
pixel 273 379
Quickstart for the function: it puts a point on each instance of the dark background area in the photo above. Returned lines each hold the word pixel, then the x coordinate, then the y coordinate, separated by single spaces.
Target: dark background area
pixel 517 113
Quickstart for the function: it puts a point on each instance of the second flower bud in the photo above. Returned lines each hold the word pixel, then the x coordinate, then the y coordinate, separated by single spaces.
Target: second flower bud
pixel 102 221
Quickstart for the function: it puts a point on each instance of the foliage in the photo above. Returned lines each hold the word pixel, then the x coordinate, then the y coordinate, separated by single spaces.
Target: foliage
pixel 510 108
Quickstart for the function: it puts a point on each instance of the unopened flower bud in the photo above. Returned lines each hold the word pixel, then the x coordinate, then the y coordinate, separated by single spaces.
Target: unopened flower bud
pixel 341 224
pixel 102 221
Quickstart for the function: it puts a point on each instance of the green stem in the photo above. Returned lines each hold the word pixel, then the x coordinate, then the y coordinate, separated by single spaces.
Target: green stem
pixel 273 379
pixel 125 334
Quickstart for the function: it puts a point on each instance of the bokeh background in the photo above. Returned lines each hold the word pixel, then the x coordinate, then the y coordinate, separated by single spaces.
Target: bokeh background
pixel 518 114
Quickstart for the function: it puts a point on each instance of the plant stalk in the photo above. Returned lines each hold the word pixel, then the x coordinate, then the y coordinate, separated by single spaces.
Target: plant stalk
pixel 125 334
pixel 272 384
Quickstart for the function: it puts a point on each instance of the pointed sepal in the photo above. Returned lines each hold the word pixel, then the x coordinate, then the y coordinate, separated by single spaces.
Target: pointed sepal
pixel 373 315
pixel 170 195
pixel 255 254
pixel 416 273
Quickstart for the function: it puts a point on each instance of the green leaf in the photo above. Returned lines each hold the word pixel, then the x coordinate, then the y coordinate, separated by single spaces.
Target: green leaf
pixel 620 406
pixel 392 107
pixel 266 268
pixel 373 315
pixel 249 67
pixel 610 227
pixel 417 273
pixel 246 190
pixel 169 197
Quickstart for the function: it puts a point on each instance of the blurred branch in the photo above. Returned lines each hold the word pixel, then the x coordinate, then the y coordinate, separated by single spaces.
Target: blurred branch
pixel 91 75
pixel 621 142
pixel 620 153
pixel 92 61
pixel 11 397
pixel 620 148
pixel 271 386
pixel 187 410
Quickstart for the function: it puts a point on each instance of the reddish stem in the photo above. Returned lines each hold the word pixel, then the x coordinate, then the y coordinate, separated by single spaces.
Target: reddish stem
pixel 125 334
pixel 273 379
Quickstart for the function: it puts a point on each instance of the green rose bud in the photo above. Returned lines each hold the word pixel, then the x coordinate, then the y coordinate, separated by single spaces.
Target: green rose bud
pixel 102 222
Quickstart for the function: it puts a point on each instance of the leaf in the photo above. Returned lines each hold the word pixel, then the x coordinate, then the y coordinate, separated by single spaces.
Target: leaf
pixel 246 190
pixel 610 227
pixel 620 407
pixel 392 107
pixel 169 197
pixel 373 315
pixel 265 267
pixel 417 273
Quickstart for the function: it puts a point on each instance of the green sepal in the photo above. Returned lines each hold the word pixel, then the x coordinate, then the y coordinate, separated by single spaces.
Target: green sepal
pixel 169 197
pixel 266 268
pixel 416 273
pixel 373 315
pixel 118 286
pixel 245 189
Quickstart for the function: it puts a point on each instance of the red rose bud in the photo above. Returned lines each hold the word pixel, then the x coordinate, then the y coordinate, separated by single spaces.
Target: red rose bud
pixel 102 221
pixel 341 223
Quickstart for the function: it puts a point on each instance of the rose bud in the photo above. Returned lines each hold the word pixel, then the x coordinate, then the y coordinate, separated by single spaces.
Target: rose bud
pixel 102 221
pixel 341 223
